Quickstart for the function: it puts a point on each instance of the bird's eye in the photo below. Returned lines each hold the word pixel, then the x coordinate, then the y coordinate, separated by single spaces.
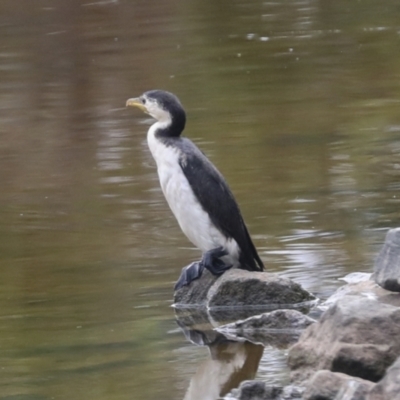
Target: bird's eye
pixel 143 100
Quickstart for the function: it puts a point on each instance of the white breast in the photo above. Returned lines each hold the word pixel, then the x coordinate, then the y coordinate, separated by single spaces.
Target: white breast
pixel 193 220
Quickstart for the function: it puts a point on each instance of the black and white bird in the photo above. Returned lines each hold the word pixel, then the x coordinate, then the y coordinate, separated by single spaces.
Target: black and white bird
pixel 196 192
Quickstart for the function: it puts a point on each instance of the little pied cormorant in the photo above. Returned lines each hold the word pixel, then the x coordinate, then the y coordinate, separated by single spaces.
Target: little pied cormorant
pixel 196 192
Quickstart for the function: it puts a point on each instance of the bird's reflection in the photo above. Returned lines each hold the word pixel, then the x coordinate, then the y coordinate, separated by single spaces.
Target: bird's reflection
pixel 229 363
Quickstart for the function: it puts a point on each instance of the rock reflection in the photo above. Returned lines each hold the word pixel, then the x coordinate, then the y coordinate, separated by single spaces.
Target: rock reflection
pixel 234 356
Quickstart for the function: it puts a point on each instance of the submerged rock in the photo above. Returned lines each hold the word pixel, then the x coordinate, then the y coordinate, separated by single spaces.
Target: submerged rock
pixel 279 328
pixel 387 265
pixel 327 385
pixel 356 336
pixel 240 288
pixel 257 390
pixel 274 320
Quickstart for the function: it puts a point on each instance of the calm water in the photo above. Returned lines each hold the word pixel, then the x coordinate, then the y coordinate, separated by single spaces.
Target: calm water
pixel 297 103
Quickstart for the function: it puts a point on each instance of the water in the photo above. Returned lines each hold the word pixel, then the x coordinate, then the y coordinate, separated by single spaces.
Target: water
pixel 296 102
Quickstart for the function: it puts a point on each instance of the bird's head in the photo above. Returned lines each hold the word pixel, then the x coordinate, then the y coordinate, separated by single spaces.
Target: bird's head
pixel 165 107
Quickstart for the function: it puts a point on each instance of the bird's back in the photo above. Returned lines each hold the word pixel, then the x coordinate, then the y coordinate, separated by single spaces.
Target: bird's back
pixel 216 199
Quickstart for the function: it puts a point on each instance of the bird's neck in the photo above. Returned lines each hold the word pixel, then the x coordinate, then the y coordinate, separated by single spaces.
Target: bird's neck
pixel 159 143
pixel 169 127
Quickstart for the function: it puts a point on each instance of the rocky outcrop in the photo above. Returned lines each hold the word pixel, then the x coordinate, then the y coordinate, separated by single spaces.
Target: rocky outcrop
pixel 356 336
pixel 353 351
pixel 387 265
pixel 240 288
pixel 327 385
pixel 389 387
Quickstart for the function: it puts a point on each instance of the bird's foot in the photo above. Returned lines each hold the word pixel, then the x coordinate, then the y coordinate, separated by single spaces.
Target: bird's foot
pixel 211 261
pixel 189 273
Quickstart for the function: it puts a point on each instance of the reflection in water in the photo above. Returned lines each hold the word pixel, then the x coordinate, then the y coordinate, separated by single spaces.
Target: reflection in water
pixel 234 355
pixel 230 363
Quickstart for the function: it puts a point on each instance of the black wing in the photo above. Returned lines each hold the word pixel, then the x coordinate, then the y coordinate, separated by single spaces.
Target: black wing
pixel 217 200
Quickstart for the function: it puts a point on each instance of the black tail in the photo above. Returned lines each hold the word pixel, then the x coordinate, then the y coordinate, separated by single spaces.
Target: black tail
pixel 249 258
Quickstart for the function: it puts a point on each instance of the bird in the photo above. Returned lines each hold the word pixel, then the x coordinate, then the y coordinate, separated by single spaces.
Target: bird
pixel 196 192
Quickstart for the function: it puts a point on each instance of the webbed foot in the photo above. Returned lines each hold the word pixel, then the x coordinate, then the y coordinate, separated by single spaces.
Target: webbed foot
pixel 211 261
pixel 189 273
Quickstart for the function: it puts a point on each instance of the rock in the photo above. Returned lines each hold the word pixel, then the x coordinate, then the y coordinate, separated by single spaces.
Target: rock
pixel 243 288
pixel 327 385
pixel 387 265
pixel 195 294
pixel 256 390
pixel 278 328
pixel 368 289
pixel 389 387
pixel 240 288
pixel 356 277
pixel 278 319
pixel 356 336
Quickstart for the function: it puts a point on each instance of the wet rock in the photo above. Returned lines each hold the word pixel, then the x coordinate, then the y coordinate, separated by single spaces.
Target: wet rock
pixel 240 288
pixel 195 294
pixel 327 385
pixel 243 288
pixel 226 315
pixel 256 390
pixel 278 319
pixel 389 387
pixel 279 328
pixel 356 336
pixel 387 265
pixel 366 288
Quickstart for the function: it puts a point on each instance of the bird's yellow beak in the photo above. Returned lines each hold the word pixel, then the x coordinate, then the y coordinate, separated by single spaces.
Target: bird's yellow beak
pixel 136 102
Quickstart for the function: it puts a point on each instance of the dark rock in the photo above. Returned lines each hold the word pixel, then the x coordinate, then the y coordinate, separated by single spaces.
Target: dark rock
pixel 387 265
pixel 327 385
pixel 256 390
pixel 389 387
pixel 240 288
pixel 356 336
pixel 195 294
pixel 243 288
pixel 279 328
